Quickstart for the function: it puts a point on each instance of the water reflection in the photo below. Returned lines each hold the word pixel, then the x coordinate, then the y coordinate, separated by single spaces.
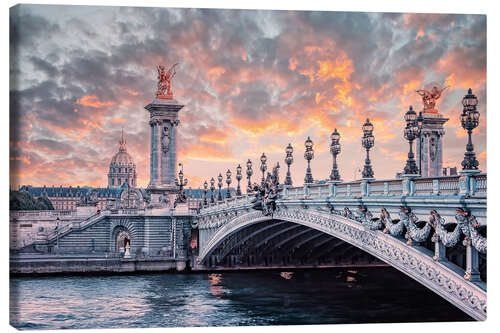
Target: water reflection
pixel 286 275
pixel 228 299
pixel 215 288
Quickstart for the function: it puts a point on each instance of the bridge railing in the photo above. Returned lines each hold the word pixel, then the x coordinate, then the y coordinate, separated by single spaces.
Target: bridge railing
pixel 458 186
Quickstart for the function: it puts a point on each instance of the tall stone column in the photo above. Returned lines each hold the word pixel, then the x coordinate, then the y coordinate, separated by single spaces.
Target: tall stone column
pixel 430 146
pixel 163 157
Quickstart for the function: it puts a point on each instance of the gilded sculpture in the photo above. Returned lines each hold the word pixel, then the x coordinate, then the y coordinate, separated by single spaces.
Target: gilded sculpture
pixel 165 82
pixel 429 98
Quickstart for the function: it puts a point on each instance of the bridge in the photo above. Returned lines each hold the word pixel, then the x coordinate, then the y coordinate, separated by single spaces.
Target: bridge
pixel 431 229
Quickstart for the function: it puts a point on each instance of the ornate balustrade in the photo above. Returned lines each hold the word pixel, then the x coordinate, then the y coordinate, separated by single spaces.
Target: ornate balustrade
pixel 20 214
pixel 437 187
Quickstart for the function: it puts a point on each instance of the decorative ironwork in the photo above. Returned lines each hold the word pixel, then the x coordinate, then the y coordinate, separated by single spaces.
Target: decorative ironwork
pixel 368 141
pixel 238 178
pixel 212 190
pixel 249 175
pixel 219 178
pixel 263 166
pixel 411 132
pixel 228 182
pixel 165 82
pixel 181 182
pixel 289 161
pixel 469 120
pixel 309 155
pixel 335 150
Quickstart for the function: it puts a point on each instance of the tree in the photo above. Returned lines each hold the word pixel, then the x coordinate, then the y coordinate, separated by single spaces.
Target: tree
pixel 22 200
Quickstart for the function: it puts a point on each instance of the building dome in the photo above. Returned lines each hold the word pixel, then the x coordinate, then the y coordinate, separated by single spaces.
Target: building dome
pixel 122 158
pixel 122 167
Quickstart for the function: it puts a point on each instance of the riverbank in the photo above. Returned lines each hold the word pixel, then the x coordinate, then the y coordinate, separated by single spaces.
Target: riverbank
pixel 36 265
pixel 100 264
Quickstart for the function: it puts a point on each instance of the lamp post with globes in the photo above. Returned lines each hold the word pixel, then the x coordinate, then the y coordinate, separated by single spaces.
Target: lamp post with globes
pixel 411 132
pixel 289 161
pixel 212 190
pixel 368 141
pixel 228 182
pixel 335 150
pixel 181 182
pixel 263 167
pixel 469 120
pixel 249 175
pixel 219 178
pixel 205 190
pixel 309 155
pixel 238 178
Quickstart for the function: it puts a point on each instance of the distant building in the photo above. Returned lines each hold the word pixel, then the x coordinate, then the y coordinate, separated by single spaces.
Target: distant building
pixel 122 168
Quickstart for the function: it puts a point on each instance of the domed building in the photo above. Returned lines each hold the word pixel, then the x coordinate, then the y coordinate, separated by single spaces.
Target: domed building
pixel 122 168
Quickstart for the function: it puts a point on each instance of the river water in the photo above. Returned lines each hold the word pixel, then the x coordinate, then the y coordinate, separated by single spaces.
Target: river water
pixel 322 296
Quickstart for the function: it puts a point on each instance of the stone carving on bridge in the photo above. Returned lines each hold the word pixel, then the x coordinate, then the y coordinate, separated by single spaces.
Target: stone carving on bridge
pixel 165 139
pixel 417 231
pixel 366 218
pixel 267 193
pixel 471 230
pixel 447 233
pixel 393 227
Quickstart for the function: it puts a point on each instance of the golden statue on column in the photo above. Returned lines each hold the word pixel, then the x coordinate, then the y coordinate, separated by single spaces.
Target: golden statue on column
pixel 165 82
pixel 429 98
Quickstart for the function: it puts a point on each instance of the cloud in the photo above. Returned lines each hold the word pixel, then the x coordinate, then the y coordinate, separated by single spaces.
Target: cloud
pixel 251 81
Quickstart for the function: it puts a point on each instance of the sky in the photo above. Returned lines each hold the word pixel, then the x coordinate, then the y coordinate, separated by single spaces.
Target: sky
pixel 251 82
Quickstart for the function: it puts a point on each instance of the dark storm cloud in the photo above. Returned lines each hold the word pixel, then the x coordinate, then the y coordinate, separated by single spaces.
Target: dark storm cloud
pixel 44 66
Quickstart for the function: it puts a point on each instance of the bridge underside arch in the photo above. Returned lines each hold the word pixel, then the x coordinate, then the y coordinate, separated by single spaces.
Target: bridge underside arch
pixel 277 243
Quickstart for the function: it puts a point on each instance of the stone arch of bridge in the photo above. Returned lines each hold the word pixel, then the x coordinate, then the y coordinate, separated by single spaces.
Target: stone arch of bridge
pixel 414 261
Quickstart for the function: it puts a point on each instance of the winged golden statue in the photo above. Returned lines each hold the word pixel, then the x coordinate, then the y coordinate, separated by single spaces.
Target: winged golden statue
pixel 429 98
pixel 165 82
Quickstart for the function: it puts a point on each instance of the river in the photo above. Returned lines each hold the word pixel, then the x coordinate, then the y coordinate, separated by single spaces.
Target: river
pixel 319 296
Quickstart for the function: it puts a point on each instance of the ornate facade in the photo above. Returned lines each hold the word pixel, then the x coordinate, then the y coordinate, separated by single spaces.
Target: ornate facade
pixel 122 168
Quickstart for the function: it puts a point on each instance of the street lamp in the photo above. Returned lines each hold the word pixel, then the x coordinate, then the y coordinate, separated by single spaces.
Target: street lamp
pixel 249 175
pixel 309 155
pixel 228 181
pixel 411 132
pixel 420 123
pixel 335 150
pixel 205 190
pixel 263 166
pixel 181 182
pixel 470 120
pixel 57 235
pixel 219 178
pixel 212 190
pixel 238 178
pixel 368 141
pixel 289 161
